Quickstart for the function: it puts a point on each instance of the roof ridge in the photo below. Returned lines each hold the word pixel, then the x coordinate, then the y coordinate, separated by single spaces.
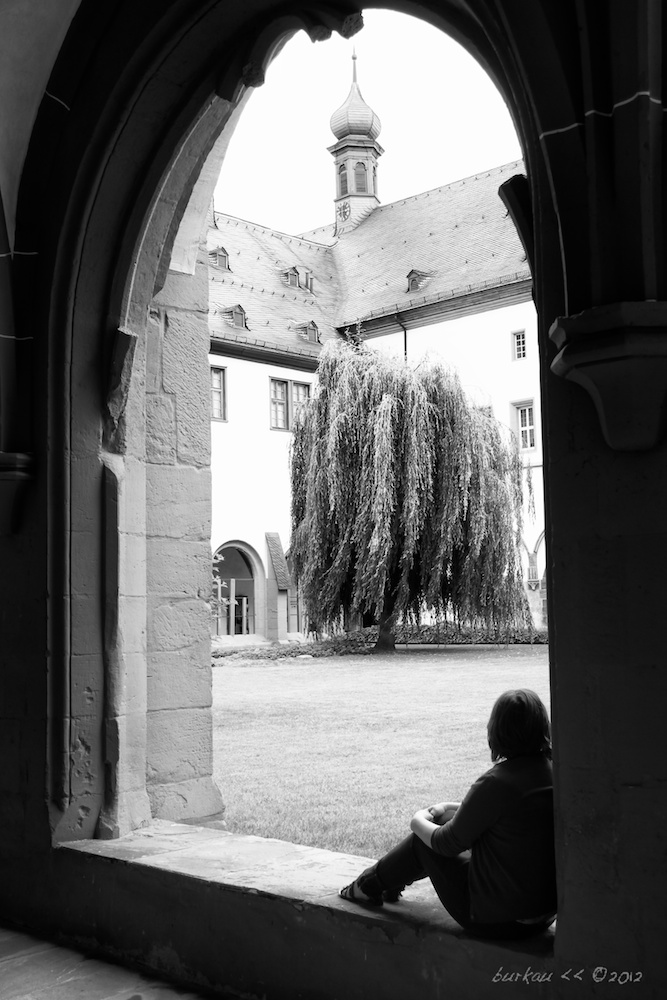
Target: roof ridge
pixel 423 194
pixel 267 229
pixel 450 184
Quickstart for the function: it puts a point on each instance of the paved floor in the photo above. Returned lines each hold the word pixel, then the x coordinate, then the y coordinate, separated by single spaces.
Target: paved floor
pixel 33 969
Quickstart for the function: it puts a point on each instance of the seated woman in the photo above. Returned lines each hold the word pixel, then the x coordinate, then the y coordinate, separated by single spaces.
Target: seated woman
pixel 491 858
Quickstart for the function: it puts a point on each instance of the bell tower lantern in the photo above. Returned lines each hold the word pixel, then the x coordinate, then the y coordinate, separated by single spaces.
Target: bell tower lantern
pixel 356 127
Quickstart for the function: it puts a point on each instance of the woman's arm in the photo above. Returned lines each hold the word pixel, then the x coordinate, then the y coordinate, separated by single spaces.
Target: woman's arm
pixel 422 825
pixel 485 800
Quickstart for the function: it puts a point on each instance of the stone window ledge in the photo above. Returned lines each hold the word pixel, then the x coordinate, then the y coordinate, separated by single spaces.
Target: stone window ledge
pixel 263 917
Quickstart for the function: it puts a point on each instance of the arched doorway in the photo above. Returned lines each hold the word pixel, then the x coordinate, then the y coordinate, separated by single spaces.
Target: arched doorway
pixel 238 580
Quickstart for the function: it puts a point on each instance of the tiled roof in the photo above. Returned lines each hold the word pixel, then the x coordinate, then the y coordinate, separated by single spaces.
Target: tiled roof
pixel 459 235
pixel 458 238
pixel 275 311
pixel 278 560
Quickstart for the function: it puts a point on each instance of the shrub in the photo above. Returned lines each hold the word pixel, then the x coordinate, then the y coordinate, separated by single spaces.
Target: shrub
pixel 363 641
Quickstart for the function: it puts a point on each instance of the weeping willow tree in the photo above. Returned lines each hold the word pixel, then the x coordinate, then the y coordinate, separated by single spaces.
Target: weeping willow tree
pixel 405 497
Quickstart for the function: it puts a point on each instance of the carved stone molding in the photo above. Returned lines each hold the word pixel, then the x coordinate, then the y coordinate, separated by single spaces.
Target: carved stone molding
pixel 618 354
pixel 319 21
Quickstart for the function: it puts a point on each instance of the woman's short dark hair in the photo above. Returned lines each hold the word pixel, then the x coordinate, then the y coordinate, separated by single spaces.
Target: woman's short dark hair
pixel 519 725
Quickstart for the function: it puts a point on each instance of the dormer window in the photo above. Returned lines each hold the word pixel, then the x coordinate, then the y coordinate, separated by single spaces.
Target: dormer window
pixel 236 317
pixel 360 178
pixel 291 277
pixel 309 332
pixel 219 258
pixel 342 179
pixel 417 280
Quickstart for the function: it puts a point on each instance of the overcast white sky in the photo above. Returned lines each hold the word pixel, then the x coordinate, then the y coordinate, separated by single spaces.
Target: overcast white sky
pixel 442 119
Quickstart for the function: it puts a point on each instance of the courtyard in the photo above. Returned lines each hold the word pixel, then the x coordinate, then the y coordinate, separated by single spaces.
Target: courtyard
pixel 338 752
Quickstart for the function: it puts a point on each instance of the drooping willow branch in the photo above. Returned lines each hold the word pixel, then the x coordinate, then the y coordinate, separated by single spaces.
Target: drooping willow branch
pixel 404 496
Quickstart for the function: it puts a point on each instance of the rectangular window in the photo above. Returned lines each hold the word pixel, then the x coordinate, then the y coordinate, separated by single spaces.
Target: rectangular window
pixel 279 415
pixel 286 399
pixel 526 426
pixel 519 345
pixel 218 394
pixel 300 395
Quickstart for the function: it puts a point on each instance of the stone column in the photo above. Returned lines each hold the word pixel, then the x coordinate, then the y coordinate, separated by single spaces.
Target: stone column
pixel 178 502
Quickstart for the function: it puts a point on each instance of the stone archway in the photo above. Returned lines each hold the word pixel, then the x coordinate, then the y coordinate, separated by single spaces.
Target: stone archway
pixel 244 578
pixel 132 196
pixel 128 171
pixel 140 99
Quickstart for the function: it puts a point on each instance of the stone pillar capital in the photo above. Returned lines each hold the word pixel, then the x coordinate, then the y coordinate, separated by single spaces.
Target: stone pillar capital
pixel 618 354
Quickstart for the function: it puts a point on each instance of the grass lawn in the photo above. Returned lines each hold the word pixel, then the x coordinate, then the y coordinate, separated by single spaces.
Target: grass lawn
pixel 339 752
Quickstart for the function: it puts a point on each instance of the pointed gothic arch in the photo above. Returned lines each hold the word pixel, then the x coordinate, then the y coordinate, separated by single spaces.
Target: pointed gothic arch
pixel 120 153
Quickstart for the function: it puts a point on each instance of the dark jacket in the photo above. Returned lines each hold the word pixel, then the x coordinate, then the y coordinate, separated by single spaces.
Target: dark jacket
pixel 506 820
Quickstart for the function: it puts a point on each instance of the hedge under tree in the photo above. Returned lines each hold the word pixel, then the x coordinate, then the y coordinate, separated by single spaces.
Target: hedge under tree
pixel 405 497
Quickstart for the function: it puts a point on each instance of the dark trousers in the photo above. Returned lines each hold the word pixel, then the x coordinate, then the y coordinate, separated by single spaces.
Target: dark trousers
pixel 412 860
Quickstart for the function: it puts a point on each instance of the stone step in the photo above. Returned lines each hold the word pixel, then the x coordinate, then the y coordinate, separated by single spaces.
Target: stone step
pixel 34 969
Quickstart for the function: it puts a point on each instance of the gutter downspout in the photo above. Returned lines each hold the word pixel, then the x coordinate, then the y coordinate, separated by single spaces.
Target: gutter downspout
pixel 405 335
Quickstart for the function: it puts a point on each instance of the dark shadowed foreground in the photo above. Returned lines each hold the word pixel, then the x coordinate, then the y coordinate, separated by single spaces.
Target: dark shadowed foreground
pixel 339 752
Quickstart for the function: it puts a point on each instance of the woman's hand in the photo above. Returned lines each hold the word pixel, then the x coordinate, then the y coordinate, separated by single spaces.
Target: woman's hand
pixel 426 821
pixel 443 812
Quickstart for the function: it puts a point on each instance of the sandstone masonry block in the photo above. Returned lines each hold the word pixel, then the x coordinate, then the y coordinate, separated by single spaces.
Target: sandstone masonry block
pixel 185 356
pixel 131 624
pixel 198 797
pixel 187 292
pixel 194 431
pixel 180 680
pixel 87 624
pixel 86 558
pixel 186 375
pixel 177 625
pixel 160 429
pixel 154 352
pixel 178 501
pixel 127 684
pixel 87 685
pixel 125 748
pixel 86 754
pixel 132 568
pixel 178 568
pixel 179 744
pixel 132 505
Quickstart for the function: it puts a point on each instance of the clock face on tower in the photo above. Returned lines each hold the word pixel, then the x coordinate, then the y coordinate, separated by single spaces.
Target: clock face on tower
pixel 344 210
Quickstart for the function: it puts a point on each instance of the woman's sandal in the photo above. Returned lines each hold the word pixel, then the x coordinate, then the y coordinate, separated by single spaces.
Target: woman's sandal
pixel 391 895
pixel 353 894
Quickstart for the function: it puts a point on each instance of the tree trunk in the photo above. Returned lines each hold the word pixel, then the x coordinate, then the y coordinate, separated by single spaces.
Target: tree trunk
pixel 386 642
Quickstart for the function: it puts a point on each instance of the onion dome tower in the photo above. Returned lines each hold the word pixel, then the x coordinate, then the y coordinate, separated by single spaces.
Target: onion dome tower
pixel 356 127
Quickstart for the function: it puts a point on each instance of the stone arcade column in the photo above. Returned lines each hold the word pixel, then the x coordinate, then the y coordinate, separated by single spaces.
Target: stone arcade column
pixel 608 551
pixel 178 502
pixel 597 235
